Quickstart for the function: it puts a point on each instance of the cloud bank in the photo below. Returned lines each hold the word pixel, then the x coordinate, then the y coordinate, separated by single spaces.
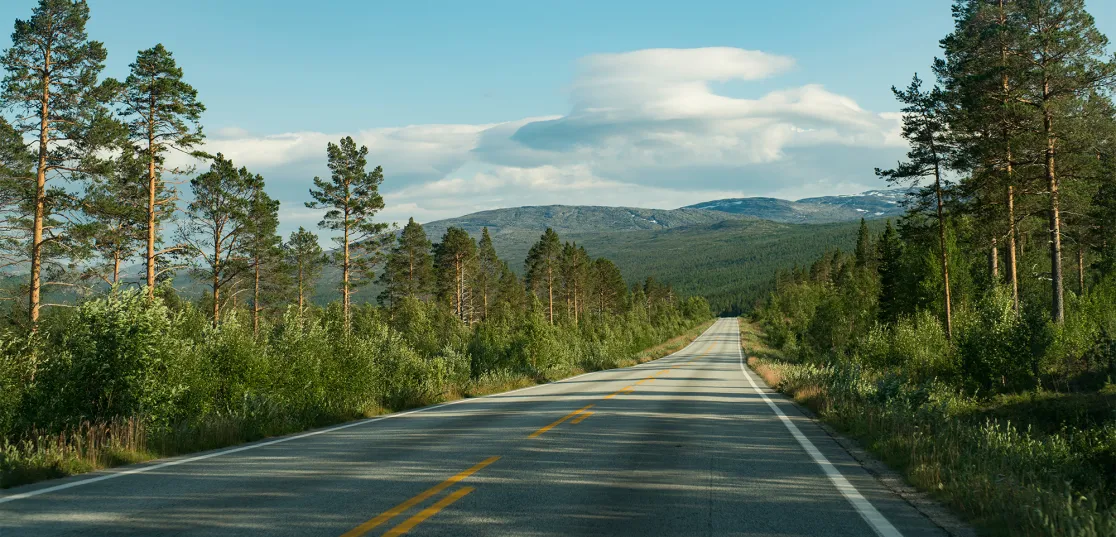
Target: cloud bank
pixel 645 128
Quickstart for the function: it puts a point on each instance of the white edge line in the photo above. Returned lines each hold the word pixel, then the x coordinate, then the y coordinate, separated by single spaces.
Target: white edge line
pixel 874 518
pixel 229 451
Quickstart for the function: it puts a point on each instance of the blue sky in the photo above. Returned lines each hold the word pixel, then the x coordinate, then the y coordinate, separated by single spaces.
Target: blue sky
pixel 471 106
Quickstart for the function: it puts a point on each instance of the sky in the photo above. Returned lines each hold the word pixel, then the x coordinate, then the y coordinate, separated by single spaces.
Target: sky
pixel 488 104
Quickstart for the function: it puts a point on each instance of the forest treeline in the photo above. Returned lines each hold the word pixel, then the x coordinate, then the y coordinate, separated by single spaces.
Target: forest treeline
pixel 973 343
pixel 122 370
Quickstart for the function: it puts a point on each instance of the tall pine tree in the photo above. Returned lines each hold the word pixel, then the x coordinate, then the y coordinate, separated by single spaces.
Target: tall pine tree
pixel 305 259
pixel 52 91
pixel 926 130
pixel 408 271
pixel 161 112
pixel 217 227
pixel 542 268
pixel 352 198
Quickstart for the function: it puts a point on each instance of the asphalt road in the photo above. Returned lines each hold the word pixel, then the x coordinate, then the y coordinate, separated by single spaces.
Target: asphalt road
pixel 692 444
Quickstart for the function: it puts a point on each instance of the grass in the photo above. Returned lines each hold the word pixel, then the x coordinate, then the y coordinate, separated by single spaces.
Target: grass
pixel 1034 464
pixel 97 446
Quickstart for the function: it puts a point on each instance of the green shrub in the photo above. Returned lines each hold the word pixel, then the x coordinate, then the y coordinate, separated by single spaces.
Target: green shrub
pixel 994 345
pixel 115 356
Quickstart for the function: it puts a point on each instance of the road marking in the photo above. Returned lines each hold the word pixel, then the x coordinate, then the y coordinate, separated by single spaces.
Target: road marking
pixel 625 389
pixel 423 496
pixel 581 418
pixel 663 372
pixel 877 521
pixel 648 379
pixel 428 512
pixel 559 422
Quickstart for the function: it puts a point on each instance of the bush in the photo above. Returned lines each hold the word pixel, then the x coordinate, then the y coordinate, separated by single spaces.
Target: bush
pixel 115 356
pixel 994 345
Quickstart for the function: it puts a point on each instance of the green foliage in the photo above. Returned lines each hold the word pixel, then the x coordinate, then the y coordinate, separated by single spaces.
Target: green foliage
pixel 351 198
pixel 993 344
pixel 116 355
pixel 408 271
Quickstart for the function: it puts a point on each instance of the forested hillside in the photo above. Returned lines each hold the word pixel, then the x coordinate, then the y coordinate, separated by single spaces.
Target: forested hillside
pixel 972 343
pixel 820 210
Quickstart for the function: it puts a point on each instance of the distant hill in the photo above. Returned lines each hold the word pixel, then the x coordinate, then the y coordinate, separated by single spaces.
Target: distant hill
pixel 725 250
pixel 827 209
pixel 576 219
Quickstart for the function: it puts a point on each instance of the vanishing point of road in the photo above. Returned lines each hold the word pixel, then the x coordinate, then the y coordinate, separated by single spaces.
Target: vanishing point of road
pixel 691 444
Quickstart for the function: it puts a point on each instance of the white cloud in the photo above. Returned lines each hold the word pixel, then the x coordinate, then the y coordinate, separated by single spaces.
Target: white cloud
pixel 645 128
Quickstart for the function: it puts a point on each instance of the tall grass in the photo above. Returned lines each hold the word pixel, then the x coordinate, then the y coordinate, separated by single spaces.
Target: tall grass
pixel 1008 479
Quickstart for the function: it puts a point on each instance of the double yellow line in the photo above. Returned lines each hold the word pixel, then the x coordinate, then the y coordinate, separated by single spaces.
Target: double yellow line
pixel 577 416
pixel 581 411
pixel 418 518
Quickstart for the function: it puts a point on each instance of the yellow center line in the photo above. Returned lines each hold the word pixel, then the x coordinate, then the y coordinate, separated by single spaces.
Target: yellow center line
pixel 559 422
pixel 581 418
pixel 625 389
pixel 421 516
pixel 648 379
pixel 394 511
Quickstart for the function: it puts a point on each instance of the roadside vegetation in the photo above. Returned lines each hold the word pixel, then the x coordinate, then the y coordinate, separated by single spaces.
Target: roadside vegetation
pixel 99 367
pixel 973 344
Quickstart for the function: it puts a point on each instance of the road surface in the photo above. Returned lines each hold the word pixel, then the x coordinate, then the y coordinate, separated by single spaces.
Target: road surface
pixel 692 444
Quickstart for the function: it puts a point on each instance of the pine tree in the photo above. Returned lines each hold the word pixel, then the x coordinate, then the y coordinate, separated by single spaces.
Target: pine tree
pixel 608 286
pixel 263 245
pixel 510 297
pixel 542 268
pixel 352 198
pixel 455 258
pixel 890 251
pixel 574 271
pixel 864 248
pixel 217 226
pixel 305 259
pixel 925 129
pixel 489 268
pixel 51 89
pixel 981 74
pixel 1066 60
pixel 408 271
pixel 114 206
pixel 161 112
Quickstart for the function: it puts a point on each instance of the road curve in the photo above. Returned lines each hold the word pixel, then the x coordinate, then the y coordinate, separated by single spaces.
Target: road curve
pixel 691 444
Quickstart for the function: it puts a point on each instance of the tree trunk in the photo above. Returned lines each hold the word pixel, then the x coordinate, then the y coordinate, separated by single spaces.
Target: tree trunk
pixel 115 268
pixel 1080 271
pixel 1057 307
pixel 345 273
pixel 945 257
pixel 40 199
pixel 994 261
pixel 460 270
pixel 1013 271
pixel 301 300
pixel 151 200
pixel 550 291
pixel 1013 262
pixel 216 275
pixel 256 299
